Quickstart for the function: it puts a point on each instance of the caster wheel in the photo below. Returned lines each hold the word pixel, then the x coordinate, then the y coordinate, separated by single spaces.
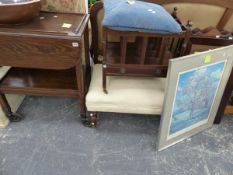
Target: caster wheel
pixel 93 120
pixel 90 124
pixel 93 125
pixel 14 117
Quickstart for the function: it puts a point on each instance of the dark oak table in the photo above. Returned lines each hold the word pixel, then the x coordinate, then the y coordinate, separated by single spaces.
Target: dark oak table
pixel 49 57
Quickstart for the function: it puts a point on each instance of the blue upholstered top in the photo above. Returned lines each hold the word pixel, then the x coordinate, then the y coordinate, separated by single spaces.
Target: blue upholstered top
pixel 138 16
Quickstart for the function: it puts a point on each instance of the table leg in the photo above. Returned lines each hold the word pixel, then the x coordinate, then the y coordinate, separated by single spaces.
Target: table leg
pixel 80 84
pixel 87 73
pixel 86 45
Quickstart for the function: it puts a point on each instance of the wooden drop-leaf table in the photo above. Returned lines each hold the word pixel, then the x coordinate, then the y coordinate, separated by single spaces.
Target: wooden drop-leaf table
pixel 49 56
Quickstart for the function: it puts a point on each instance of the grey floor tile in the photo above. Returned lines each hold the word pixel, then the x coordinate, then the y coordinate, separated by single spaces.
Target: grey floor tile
pixel 52 141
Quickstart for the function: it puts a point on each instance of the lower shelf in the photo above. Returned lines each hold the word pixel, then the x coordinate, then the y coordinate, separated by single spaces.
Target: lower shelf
pixel 40 82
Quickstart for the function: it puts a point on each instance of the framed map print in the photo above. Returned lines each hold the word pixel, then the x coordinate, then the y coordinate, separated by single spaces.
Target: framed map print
pixel 194 88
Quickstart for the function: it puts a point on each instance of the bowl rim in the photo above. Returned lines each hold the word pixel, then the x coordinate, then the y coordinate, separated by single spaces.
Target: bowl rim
pixel 20 3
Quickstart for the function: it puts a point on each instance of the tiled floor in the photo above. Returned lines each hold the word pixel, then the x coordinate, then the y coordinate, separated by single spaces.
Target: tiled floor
pixel 52 141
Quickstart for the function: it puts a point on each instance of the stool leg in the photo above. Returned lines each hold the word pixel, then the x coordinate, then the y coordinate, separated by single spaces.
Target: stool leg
pixel 92 122
pixel 104 79
pixel 80 84
pixel 14 117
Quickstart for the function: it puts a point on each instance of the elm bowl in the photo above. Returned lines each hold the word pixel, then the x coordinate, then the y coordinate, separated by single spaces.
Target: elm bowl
pixel 18 11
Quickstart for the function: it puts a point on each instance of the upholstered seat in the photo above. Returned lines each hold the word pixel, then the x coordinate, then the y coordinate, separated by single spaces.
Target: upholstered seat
pixel 125 94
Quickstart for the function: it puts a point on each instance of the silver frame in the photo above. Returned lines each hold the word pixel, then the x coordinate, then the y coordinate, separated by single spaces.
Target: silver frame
pixel 185 64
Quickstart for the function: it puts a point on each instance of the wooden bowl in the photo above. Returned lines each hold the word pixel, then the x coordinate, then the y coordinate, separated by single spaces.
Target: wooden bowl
pixel 18 11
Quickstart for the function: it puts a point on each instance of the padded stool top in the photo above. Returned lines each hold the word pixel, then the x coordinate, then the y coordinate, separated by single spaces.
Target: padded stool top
pixel 135 95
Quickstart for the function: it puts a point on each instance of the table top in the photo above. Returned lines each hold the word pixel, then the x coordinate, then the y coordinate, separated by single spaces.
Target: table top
pixel 50 23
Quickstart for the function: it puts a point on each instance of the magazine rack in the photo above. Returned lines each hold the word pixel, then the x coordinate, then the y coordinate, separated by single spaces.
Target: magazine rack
pixel 146 55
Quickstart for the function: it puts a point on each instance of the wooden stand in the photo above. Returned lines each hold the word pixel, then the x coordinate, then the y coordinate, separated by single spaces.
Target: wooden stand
pixel 148 55
pixel 47 58
pixel 97 51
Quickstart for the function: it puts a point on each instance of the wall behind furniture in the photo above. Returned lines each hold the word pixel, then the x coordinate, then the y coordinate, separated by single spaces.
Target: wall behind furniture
pixel 69 6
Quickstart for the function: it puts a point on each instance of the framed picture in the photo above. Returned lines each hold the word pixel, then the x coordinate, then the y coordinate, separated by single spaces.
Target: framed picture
pixel 194 89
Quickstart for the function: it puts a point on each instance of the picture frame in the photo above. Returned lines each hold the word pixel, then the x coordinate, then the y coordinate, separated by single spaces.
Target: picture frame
pixel 194 88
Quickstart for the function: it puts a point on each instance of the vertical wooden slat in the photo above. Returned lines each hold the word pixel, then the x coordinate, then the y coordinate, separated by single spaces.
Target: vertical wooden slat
pixel 105 45
pixel 172 44
pixel 178 46
pixel 138 42
pixel 225 18
pixel 123 49
pixel 158 43
pixel 104 82
pixel 105 49
pixel 143 50
pixel 186 45
pixel 162 50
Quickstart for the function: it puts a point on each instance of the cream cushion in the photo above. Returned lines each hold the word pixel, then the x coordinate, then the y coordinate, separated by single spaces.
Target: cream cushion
pixel 125 94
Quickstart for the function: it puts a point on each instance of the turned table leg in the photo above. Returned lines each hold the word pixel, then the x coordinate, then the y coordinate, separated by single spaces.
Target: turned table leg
pixel 80 84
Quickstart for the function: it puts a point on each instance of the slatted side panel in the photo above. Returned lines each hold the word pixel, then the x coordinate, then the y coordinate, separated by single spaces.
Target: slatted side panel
pixel 123 41
pixel 143 50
